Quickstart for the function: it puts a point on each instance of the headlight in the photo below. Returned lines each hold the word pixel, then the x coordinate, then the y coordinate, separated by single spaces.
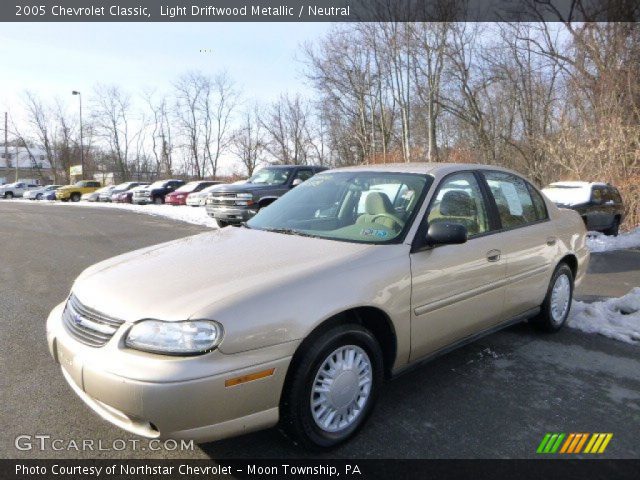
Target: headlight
pixel 174 338
pixel 245 196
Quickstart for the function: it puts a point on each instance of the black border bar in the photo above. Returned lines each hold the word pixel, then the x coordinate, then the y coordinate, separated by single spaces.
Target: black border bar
pixel 582 469
pixel 318 10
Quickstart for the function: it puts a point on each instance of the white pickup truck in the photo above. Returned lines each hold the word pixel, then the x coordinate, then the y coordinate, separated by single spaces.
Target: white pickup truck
pixel 16 189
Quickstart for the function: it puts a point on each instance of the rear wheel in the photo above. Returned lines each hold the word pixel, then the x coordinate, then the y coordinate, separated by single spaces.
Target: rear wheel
pixel 614 229
pixel 332 387
pixel 557 303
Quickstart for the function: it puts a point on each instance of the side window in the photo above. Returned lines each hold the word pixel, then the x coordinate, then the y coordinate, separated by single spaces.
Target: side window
pixel 596 195
pixel 538 203
pixel 512 198
pixel 303 175
pixel 459 200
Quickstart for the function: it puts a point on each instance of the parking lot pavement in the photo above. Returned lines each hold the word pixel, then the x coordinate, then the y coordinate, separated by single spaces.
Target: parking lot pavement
pixel 494 398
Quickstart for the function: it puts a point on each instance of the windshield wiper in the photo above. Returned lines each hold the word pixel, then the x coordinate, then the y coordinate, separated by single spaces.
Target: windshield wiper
pixel 288 231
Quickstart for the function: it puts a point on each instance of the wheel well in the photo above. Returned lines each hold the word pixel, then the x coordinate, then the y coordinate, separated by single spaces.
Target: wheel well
pixel 371 318
pixel 266 201
pixel 572 261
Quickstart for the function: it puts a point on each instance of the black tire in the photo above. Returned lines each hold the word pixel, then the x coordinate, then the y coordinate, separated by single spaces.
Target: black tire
pixel 75 197
pixel 39 196
pixel 297 420
pixel 614 229
pixel 8 195
pixel 158 200
pixel 222 223
pixel 547 320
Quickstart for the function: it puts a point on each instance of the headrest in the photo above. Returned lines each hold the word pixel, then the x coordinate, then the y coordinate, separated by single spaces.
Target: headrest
pixel 457 203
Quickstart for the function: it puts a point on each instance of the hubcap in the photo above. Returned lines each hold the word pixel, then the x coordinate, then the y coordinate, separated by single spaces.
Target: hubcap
pixel 341 388
pixel 560 298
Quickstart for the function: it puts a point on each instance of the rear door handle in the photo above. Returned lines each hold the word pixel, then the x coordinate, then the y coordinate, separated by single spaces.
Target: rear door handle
pixel 551 241
pixel 493 255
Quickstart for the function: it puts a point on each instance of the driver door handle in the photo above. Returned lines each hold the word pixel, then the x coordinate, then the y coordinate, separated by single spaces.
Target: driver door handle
pixel 493 255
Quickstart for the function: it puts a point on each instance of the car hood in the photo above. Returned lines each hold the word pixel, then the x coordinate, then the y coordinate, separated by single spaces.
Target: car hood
pixel 172 281
pixel 247 187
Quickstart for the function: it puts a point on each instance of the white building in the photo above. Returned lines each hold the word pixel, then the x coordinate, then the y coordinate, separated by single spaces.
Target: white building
pixel 29 163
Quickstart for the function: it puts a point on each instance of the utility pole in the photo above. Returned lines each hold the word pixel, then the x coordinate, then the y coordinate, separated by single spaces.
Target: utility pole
pixel 6 147
pixel 75 92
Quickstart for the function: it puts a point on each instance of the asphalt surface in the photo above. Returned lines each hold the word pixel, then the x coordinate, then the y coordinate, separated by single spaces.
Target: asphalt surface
pixel 495 398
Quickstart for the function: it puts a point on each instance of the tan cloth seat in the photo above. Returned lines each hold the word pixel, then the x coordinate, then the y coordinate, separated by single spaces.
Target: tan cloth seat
pixel 377 203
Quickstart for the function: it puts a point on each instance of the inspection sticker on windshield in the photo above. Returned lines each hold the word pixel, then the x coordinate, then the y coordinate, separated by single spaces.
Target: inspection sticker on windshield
pixel 373 232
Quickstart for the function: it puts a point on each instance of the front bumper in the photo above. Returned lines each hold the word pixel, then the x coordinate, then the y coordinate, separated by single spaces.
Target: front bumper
pixel 141 200
pixel 63 195
pixel 230 214
pixel 171 397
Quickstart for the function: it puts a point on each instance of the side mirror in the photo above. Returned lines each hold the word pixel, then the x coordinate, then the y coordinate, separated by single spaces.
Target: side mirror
pixel 446 233
pixel 296 182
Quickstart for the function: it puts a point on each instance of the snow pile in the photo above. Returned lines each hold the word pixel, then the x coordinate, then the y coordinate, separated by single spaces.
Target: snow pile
pixel 599 242
pixel 617 318
pixel 182 213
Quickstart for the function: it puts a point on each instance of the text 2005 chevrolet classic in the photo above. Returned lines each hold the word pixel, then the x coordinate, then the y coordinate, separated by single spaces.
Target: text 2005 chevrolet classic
pixel 298 317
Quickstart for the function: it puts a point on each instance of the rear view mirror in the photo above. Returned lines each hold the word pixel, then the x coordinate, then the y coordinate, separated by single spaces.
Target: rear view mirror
pixel 296 182
pixel 446 233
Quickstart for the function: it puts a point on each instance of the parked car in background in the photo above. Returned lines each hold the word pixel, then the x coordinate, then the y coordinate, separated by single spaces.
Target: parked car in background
pixel 180 195
pixel 599 204
pixel 197 199
pixel 95 196
pixel 17 189
pixel 121 187
pixel 74 192
pixel 155 192
pixel 299 317
pixel 234 204
pixel 127 195
pixel 42 193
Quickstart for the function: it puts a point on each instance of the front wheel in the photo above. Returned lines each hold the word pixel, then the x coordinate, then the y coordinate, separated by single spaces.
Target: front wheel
pixel 8 195
pixel 557 303
pixel 75 197
pixel 614 229
pixel 222 224
pixel 158 200
pixel 39 196
pixel 332 387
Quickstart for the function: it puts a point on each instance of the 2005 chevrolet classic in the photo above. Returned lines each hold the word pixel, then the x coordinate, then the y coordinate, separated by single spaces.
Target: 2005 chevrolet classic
pixel 298 316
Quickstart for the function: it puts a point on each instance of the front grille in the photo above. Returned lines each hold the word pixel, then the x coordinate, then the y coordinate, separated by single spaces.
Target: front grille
pixel 142 194
pixel 222 199
pixel 88 326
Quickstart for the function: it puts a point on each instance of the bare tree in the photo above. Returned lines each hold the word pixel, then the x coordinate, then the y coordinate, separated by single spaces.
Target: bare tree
pixel 248 142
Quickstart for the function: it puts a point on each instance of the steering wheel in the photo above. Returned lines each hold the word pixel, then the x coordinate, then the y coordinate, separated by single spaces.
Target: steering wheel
pixel 394 219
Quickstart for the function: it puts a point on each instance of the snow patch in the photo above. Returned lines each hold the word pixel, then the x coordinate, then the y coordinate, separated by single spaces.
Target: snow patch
pixel 182 213
pixel 599 242
pixel 617 318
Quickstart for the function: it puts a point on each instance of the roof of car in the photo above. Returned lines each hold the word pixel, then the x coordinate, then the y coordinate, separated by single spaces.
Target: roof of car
pixel 579 184
pixel 421 167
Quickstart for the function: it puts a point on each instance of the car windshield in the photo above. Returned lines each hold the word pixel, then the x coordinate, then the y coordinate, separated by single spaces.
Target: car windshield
pixel 158 184
pixel 271 176
pixel 122 186
pixel 367 207
pixel 189 187
pixel 567 194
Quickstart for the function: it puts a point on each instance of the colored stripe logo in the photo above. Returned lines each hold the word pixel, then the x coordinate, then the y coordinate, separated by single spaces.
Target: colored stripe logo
pixel 574 443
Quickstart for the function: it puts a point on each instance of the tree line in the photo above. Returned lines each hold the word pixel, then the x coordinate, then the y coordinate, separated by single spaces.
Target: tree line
pixel 552 100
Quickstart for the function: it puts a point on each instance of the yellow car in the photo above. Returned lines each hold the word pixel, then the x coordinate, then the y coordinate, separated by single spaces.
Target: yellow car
pixel 74 192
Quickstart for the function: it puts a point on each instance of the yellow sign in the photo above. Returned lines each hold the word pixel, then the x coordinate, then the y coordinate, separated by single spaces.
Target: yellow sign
pixel 75 170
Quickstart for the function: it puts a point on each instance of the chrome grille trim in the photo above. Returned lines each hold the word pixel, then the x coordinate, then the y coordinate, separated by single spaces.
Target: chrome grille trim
pixel 87 325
